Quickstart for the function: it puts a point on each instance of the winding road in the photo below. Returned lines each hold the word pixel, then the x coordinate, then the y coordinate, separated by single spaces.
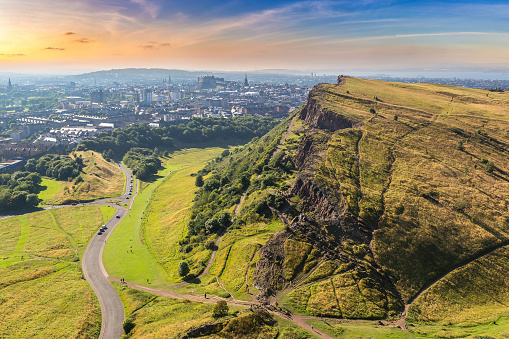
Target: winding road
pixel 112 309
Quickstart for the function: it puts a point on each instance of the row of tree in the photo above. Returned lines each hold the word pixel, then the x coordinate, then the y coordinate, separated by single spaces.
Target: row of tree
pixel 143 162
pixel 197 130
pixel 61 167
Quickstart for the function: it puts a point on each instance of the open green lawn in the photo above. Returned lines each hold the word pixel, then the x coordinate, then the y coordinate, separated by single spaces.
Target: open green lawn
pixel 155 224
pixel 42 294
pixel 49 187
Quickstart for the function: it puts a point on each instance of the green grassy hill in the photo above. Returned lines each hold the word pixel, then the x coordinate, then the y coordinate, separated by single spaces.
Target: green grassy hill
pixel 387 195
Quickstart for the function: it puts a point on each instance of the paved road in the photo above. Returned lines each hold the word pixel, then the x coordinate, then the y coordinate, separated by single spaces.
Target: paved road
pixel 112 310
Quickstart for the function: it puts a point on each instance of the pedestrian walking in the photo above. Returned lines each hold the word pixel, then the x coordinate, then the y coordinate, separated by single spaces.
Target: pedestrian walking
pixel 205 295
pixel 312 329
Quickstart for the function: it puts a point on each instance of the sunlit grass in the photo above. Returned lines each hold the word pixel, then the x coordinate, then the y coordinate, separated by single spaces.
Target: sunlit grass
pixel 42 293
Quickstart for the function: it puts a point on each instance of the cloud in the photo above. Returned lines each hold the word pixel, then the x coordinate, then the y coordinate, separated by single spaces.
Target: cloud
pixel 69 33
pixel 12 55
pixel 154 45
pixel 55 48
pixel 84 40
pixel 148 7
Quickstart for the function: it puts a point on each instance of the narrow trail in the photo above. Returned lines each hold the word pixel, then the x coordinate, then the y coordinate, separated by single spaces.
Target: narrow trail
pixel 287 133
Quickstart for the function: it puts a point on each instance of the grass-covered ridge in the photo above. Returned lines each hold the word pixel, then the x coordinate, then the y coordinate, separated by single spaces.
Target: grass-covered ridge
pixel 423 167
pixel 380 189
pixel 99 179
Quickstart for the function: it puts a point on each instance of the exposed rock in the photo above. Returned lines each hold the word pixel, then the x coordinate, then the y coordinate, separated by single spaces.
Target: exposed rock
pixel 318 117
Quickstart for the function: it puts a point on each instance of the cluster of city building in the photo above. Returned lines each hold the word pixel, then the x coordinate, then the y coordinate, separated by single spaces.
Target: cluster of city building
pixel 85 111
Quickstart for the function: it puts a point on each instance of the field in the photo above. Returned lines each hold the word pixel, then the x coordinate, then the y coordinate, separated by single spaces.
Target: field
pixel 42 293
pixel 160 317
pixel 156 223
pixel 101 179
pixel 49 187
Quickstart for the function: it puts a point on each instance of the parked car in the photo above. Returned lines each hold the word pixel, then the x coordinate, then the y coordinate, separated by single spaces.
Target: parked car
pixel 73 204
pixel 99 232
pixel 118 216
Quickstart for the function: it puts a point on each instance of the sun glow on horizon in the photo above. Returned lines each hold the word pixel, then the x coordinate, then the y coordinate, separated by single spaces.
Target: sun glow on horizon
pixel 282 34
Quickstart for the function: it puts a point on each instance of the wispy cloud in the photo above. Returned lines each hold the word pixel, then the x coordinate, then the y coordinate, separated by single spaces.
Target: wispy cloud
pixel 69 33
pixel 147 6
pixel 154 45
pixel 419 35
pixel 55 48
pixel 12 55
pixel 84 40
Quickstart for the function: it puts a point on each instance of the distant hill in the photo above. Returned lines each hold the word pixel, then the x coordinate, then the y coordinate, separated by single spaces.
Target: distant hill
pixel 395 198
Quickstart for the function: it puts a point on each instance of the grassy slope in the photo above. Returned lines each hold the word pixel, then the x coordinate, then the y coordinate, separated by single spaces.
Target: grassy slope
pixel 41 291
pixel 102 179
pixel 434 205
pixel 160 317
pixel 155 223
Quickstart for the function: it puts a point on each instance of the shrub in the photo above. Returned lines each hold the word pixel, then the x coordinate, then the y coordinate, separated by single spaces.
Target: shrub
pixel 183 269
pixel 372 110
pixel 210 244
pixel 128 325
pixel 490 166
pixel 220 309
pixel 199 181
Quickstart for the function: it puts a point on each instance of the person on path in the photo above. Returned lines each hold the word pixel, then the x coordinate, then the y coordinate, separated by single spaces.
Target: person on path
pixel 205 295
pixel 312 329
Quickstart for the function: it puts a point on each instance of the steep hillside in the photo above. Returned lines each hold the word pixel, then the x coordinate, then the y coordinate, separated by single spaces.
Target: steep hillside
pixel 388 192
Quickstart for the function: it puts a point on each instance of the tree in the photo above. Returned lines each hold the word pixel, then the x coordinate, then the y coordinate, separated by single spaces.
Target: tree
pixel 220 309
pixel 183 269
pixel 199 180
pixel 372 110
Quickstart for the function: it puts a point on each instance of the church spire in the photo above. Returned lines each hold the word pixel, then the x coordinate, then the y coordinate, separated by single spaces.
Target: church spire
pixel 246 83
pixel 9 85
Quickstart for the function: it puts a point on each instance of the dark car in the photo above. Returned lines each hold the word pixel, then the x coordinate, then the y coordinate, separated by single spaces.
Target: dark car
pixel 118 217
pixel 103 228
pixel 99 232
pixel 73 204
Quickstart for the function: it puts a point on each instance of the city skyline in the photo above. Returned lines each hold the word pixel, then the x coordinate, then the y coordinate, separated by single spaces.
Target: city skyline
pixel 402 37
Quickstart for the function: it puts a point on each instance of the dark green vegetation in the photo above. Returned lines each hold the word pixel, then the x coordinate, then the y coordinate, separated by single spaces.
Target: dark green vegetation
pixel 385 189
pixel 33 100
pixel 142 162
pixel 18 191
pixel 61 167
pixel 195 132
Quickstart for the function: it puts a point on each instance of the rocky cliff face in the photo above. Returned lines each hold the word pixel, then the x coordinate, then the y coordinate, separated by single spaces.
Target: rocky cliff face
pixel 318 117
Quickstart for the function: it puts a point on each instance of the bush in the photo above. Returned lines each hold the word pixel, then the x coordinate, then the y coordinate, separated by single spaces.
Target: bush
pixel 128 325
pixel 490 166
pixel 220 309
pixel 210 245
pixel 183 269
pixel 199 181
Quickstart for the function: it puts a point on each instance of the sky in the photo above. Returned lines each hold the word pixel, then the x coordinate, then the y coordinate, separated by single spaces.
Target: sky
pixel 370 36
